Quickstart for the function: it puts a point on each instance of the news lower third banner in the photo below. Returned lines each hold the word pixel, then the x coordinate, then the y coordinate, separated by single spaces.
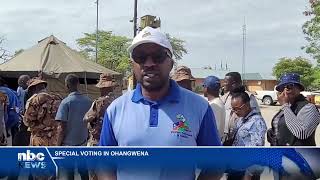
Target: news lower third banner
pixel 49 160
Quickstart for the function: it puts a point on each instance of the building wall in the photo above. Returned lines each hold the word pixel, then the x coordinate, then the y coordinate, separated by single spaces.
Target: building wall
pixel 252 85
pixel 263 85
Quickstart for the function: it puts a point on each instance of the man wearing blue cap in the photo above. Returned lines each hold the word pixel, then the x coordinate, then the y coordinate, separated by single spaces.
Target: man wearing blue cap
pixel 295 124
pixel 211 89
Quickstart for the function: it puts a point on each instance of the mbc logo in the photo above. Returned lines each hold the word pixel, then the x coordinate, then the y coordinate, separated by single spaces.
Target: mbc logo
pixel 29 156
pixel 31 160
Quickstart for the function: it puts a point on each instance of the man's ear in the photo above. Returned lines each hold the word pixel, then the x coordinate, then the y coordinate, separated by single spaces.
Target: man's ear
pixel 172 63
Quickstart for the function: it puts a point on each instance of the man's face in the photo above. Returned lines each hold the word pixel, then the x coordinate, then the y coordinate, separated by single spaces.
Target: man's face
pixel 23 82
pixel 230 83
pixel 186 83
pixel 205 92
pixel 292 91
pixel 151 66
pixel 241 109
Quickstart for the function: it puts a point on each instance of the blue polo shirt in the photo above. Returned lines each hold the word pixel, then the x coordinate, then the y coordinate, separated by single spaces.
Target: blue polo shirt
pixel 12 115
pixel 182 118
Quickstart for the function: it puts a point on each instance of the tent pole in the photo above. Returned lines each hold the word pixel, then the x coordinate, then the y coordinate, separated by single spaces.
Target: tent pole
pixel 85 82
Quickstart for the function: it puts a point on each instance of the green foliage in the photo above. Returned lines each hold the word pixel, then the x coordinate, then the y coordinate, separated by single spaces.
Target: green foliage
pixel 178 47
pixel 298 65
pixel 198 89
pixel 311 29
pixel 112 50
pixel 316 83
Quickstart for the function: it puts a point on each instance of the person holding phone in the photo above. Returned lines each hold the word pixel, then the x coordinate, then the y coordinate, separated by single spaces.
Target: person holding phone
pixel 295 124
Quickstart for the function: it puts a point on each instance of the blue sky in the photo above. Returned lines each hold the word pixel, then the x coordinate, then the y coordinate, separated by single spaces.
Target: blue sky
pixel 212 29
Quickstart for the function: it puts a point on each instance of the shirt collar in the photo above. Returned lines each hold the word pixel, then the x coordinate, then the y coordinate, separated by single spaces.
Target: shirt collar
pixel 249 115
pixel 173 96
pixel 74 93
pixel 214 99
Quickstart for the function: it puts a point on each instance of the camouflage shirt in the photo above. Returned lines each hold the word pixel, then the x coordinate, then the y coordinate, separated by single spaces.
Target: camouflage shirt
pixel 94 118
pixel 4 101
pixel 39 117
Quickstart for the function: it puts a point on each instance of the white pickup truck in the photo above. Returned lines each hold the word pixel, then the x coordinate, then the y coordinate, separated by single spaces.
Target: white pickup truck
pixel 271 98
pixel 267 97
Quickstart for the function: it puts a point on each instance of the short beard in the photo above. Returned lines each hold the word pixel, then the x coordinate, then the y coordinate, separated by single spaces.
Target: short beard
pixel 154 87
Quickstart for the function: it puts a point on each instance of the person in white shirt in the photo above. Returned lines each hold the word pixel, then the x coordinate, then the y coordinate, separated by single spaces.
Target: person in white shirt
pixel 211 90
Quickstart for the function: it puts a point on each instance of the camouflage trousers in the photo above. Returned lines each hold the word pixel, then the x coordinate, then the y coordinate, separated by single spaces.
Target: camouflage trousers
pixel 92 142
pixel 93 175
pixel 36 140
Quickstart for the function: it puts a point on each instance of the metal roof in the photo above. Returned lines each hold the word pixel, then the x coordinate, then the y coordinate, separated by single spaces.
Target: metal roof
pixel 203 73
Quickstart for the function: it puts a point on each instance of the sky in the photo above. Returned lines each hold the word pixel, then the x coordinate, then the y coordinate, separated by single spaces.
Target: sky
pixel 212 29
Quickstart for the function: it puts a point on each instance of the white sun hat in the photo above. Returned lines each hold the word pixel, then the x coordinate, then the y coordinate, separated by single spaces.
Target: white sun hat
pixel 150 35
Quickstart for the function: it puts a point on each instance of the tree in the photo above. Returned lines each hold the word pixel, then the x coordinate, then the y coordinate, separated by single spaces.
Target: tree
pixel 311 29
pixel 178 47
pixel 4 54
pixel 112 50
pixel 298 65
pixel 315 85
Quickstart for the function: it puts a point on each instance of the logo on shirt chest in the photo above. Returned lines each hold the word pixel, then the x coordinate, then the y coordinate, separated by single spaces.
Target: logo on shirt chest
pixel 181 127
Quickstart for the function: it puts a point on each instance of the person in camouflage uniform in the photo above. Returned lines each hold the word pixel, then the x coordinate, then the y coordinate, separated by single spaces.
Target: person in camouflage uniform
pixel 94 116
pixel 182 75
pixel 3 110
pixel 39 117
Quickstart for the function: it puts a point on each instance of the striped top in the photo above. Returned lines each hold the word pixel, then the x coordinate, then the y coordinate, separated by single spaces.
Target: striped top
pixel 304 123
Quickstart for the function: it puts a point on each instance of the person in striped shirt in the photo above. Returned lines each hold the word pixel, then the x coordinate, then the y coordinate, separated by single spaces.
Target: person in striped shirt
pixel 295 124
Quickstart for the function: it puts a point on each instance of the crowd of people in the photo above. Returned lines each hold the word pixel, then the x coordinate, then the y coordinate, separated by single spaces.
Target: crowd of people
pixel 161 111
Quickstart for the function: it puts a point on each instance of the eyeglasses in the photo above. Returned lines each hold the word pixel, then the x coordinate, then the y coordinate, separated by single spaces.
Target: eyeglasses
pixel 289 87
pixel 237 109
pixel 157 57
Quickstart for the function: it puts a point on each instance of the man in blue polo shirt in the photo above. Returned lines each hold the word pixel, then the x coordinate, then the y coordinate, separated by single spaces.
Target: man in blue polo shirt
pixel 158 112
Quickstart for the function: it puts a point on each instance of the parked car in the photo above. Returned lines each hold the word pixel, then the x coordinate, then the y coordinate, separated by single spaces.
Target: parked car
pixel 267 97
pixel 271 97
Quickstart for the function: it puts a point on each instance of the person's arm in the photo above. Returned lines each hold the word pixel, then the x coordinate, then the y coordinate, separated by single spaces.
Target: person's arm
pixel 91 114
pixel 304 123
pixel 254 104
pixel 208 132
pixel 107 138
pixel 62 118
pixel 208 136
pixel 257 133
pixel 61 132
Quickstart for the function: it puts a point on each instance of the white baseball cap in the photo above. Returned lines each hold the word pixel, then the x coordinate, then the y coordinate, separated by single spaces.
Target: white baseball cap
pixel 150 35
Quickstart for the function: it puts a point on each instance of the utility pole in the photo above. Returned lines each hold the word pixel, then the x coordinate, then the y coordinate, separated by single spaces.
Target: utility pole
pixel 97 31
pixel 135 18
pixel 135 14
pixel 244 36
